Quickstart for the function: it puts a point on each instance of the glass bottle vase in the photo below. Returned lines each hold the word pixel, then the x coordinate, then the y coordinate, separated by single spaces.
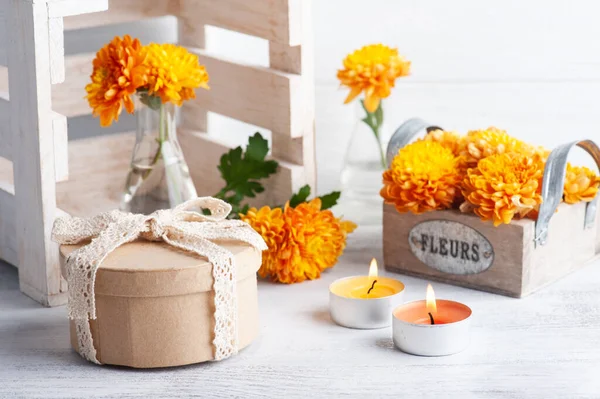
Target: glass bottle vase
pixel 364 163
pixel 159 177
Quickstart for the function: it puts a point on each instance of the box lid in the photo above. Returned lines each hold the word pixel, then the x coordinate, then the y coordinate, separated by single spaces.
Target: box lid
pixel 153 269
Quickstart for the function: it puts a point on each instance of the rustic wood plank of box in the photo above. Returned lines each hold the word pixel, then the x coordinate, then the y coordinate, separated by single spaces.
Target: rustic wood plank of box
pixel 518 266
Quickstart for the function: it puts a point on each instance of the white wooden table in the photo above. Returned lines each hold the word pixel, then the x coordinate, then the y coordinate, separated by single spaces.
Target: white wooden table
pixel 543 346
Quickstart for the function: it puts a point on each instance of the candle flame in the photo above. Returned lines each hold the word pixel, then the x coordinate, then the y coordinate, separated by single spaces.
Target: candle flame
pixel 430 300
pixel 373 268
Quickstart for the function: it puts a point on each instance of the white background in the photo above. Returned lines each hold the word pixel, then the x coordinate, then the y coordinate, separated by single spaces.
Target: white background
pixel 531 67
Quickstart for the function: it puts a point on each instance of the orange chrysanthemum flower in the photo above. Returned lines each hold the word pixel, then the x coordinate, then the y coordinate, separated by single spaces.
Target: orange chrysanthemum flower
pixel 503 186
pixel 581 184
pixel 119 69
pixel 373 70
pixel 424 176
pixel 174 73
pixel 450 140
pixel 479 144
pixel 303 241
pixel 269 223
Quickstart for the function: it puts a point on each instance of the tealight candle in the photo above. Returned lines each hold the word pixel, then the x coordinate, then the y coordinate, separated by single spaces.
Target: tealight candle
pixel 430 327
pixel 364 301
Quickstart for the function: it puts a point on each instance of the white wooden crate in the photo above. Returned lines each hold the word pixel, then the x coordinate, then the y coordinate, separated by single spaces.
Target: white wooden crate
pixel 42 174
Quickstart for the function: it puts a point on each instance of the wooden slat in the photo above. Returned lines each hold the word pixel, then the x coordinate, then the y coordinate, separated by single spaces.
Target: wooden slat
pixel 61 147
pixel 57 10
pixel 4 79
pixel 192 34
pixel 68 97
pixel 3 32
pixel 59 132
pixel 298 60
pixel 122 11
pixel 5 132
pixel 33 152
pixel 98 167
pixel 568 247
pixel 56 36
pixel 290 59
pixel 203 152
pixel 66 8
pixel 274 20
pixel 255 95
pixel 8 240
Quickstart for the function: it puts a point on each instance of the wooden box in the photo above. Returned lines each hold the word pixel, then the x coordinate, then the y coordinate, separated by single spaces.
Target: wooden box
pixel 461 249
pixel 43 174
pixel 514 259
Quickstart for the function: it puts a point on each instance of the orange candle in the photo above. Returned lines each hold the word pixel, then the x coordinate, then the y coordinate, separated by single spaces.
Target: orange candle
pixel 431 327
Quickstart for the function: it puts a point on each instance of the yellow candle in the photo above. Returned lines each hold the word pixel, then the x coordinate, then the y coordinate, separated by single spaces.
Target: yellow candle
pixel 367 287
pixel 364 301
pixel 379 291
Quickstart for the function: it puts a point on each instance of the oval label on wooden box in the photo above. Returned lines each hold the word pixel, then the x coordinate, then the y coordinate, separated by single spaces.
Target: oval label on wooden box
pixel 451 247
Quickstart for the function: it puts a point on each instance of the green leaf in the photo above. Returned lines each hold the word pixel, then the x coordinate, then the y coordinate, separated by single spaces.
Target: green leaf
pixel 362 103
pixel 300 197
pixel 379 115
pixel 152 101
pixel 371 118
pixel 329 200
pixel 229 162
pixel 243 170
pixel 258 147
pixel 244 209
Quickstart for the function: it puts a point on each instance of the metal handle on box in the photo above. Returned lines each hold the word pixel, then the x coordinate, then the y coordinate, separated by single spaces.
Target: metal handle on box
pixel 552 183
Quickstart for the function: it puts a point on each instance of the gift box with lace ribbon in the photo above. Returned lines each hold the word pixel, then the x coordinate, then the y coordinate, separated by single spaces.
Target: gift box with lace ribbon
pixel 172 288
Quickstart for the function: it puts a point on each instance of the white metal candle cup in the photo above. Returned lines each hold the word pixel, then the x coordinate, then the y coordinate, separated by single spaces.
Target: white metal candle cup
pixel 413 333
pixel 350 310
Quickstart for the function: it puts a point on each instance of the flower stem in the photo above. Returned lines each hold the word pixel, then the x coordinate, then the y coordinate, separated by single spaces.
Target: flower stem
pixel 375 120
pixel 161 134
pixel 160 140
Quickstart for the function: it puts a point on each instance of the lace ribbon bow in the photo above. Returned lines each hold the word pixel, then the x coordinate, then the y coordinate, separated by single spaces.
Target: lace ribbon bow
pixel 181 227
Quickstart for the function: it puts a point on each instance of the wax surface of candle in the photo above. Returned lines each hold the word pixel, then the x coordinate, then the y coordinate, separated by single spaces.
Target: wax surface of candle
pixel 418 313
pixel 379 290
pixel 427 320
pixel 358 287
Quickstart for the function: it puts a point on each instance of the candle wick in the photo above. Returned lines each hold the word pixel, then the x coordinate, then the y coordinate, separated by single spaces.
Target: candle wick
pixel 431 318
pixel 372 286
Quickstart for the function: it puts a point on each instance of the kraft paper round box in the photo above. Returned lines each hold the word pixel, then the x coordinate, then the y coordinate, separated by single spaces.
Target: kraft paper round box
pixel 155 304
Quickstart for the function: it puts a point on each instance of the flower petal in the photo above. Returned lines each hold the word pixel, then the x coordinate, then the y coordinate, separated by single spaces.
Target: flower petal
pixel 355 91
pixel 372 103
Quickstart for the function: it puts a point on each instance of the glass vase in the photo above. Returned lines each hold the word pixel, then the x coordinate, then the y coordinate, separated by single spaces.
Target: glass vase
pixel 159 177
pixel 364 163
